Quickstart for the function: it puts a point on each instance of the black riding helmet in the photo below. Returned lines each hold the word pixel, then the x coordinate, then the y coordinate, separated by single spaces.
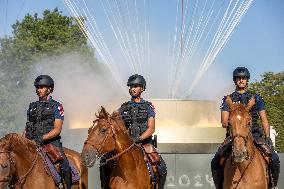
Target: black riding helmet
pixel 136 80
pixel 241 72
pixel 44 80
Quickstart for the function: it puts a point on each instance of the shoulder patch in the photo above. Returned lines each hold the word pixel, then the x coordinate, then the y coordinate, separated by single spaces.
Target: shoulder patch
pixel 224 99
pixel 61 110
pixel 151 105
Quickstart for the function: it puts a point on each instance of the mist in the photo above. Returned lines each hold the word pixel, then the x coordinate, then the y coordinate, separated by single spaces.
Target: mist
pixel 81 86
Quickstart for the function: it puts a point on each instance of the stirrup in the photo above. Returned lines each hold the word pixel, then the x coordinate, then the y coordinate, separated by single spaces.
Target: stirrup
pixel 61 186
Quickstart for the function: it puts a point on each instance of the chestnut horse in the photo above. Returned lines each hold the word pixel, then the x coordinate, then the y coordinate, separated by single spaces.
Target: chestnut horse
pixel 21 166
pixel 108 134
pixel 7 170
pixel 245 168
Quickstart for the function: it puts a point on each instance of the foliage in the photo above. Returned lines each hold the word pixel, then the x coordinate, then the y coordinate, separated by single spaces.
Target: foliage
pixel 271 88
pixel 33 38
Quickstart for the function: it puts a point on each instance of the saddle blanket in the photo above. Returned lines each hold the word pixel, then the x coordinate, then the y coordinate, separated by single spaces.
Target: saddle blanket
pixel 53 171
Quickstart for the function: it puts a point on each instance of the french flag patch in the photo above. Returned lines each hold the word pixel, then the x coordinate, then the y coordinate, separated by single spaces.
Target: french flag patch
pixel 61 110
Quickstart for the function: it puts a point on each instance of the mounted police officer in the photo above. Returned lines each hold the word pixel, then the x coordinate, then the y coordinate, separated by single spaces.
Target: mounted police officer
pixel 241 77
pixel 139 118
pixel 45 120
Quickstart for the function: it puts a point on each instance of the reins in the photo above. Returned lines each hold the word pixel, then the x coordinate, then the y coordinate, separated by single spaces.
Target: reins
pixel 8 178
pixel 22 178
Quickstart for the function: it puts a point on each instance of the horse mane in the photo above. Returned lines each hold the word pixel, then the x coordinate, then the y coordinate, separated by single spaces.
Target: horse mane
pixel 103 114
pixel 238 107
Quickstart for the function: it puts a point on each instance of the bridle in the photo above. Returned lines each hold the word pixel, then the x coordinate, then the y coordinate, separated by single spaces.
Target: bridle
pixel 98 146
pixel 20 178
pixel 248 157
pixel 8 178
pixel 245 138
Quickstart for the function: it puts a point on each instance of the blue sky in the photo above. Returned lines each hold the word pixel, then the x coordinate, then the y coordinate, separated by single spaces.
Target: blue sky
pixel 257 43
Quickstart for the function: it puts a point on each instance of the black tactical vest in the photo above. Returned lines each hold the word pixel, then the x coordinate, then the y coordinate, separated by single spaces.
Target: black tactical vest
pixel 135 118
pixel 41 118
pixel 244 99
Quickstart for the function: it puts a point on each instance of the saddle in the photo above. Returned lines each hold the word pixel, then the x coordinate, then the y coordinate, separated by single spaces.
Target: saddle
pixel 264 149
pixel 152 159
pixel 152 154
pixel 53 159
pixel 53 153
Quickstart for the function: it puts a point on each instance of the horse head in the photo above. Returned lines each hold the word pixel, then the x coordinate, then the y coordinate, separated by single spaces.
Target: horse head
pixel 102 136
pixel 239 119
pixel 12 147
pixel 7 164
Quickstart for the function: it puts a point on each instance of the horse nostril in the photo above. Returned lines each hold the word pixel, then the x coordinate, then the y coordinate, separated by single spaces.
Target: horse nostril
pixel 3 166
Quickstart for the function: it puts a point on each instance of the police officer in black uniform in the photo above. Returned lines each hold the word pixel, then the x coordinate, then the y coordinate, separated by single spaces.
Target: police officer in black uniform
pixel 241 77
pixel 45 120
pixel 139 118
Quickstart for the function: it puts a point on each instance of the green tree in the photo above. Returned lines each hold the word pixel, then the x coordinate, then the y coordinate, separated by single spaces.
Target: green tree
pixel 271 88
pixel 33 38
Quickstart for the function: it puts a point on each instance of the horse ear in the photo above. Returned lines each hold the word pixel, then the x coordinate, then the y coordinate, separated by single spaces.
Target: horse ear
pixel 251 103
pixel 103 113
pixel 229 101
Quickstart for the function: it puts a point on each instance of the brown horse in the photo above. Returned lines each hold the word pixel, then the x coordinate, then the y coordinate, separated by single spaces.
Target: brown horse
pixel 108 134
pixel 7 170
pixel 21 166
pixel 245 168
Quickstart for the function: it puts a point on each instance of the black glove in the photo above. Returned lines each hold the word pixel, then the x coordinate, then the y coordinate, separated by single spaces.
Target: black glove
pixel 137 139
pixel 269 142
pixel 39 140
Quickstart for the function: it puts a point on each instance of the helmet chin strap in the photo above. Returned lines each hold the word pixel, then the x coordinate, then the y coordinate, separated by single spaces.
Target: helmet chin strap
pixel 134 96
pixel 46 95
pixel 243 88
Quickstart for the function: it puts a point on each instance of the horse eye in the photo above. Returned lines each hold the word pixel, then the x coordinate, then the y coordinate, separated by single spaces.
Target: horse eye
pixel 103 130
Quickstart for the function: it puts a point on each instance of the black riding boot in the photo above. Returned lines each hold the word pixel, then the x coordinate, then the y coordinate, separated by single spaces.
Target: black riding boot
pixel 275 167
pixel 104 177
pixel 217 172
pixel 162 170
pixel 67 179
